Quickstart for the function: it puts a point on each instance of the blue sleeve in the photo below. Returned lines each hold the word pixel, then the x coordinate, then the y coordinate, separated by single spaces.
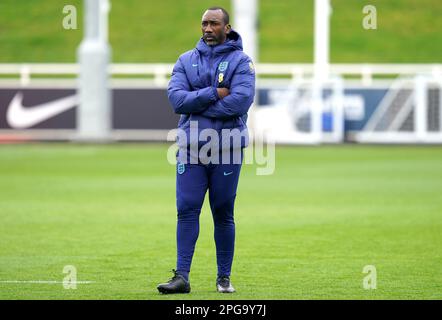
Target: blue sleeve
pixel 182 98
pixel 242 92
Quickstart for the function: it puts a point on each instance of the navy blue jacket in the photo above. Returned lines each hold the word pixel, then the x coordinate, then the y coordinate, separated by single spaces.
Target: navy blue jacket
pixel 195 77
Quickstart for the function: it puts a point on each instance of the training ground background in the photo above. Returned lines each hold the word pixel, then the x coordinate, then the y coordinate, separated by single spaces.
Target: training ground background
pixel 305 232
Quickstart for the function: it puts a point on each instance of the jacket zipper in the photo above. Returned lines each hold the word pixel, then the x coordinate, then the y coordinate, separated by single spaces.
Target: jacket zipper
pixel 212 82
pixel 210 66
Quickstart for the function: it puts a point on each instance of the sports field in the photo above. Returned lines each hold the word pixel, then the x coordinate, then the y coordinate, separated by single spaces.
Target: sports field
pixel 305 232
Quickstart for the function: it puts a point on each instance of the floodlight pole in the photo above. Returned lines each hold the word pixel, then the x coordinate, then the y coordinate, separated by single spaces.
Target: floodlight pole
pixel 245 16
pixel 321 67
pixel 245 13
pixel 94 115
pixel 322 39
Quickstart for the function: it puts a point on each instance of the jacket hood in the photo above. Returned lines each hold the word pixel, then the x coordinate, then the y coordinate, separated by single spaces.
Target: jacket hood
pixel 232 43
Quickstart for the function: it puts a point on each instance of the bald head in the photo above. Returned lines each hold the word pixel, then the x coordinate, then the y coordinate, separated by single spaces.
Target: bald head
pixel 215 26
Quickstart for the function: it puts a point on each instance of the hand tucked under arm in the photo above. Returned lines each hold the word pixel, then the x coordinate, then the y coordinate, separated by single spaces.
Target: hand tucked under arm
pixel 239 97
pixel 222 92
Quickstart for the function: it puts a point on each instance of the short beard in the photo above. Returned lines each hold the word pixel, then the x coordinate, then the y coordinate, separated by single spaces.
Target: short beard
pixel 215 42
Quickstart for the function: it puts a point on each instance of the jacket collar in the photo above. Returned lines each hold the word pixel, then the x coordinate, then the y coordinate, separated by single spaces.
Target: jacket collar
pixel 232 43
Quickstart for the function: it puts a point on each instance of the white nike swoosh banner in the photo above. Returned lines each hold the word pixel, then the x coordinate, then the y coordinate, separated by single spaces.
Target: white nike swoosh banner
pixel 19 117
pixel 46 108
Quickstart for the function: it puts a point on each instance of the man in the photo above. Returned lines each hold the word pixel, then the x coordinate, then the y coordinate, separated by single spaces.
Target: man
pixel 212 87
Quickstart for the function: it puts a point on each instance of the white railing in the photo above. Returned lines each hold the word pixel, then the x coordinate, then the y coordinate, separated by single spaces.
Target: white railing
pixel 160 72
pixel 416 77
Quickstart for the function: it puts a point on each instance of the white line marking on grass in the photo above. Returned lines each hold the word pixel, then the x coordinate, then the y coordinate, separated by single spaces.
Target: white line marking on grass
pixel 45 282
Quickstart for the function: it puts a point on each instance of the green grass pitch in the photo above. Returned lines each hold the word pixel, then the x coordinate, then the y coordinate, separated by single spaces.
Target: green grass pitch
pixel 305 232
pixel 409 31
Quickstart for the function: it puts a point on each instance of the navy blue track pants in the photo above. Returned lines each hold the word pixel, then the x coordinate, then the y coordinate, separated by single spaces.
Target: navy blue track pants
pixel 192 183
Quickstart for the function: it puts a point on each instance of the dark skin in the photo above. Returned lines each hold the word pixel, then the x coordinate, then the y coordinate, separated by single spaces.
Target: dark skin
pixel 215 32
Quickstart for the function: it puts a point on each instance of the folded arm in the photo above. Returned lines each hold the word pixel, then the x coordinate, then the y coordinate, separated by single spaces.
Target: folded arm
pixel 240 97
pixel 182 98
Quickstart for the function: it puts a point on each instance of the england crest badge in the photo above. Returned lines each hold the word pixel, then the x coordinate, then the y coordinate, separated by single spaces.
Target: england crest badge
pixel 223 66
pixel 181 168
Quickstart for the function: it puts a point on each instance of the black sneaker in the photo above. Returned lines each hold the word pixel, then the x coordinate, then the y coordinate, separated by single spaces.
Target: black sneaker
pixel 223 285
pixel 177 284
